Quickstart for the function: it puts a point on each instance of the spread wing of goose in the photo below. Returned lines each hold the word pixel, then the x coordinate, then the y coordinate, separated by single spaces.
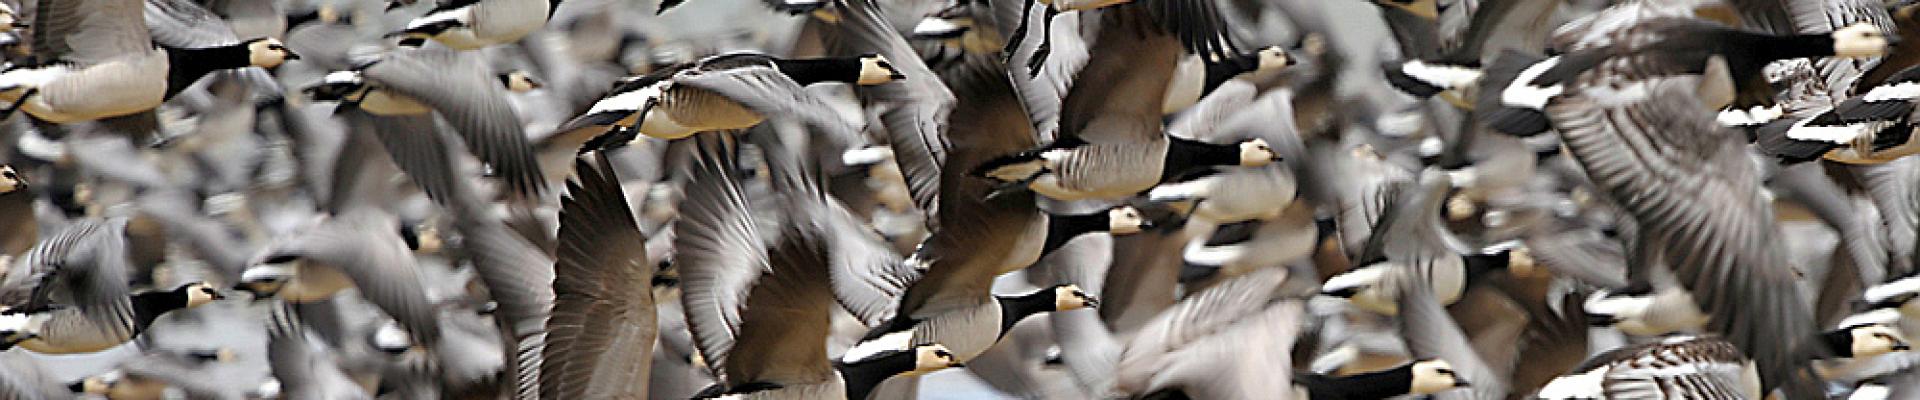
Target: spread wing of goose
pixel 1409 243
pixel 1228 341
pixel 760 312
pixel 300 371
pixel 1111 143
pixel 415 144
pixel 1717 235
pixel 25 378
pixel 1430 333
pixel 85 265
pixel 469 97
pixel 360 248
pixel 918 108
pixel 600 336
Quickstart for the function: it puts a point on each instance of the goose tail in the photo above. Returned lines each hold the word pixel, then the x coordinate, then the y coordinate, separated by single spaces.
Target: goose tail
pixel 1423 79
pixel 1504 71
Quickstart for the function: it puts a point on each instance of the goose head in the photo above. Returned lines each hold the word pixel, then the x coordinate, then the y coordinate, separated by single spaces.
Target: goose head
pixel 268 53
pixel 91 385
pixel 10 180
pixel 1071 297
pixel 518 81
pixel 1434 376
pixel 1860 341
pixel 337 86
pixel 932 357
pixel 199 294
pixel 875 70
pixel 9 19
pixel 1273 58
pixel 15 328
pixel 1860 40
pixel 1256 153
pixel 1126 220
pixel 266 280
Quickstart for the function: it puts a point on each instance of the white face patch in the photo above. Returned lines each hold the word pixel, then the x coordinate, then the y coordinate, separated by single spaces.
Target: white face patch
pixel 1859 40
pixel 1433 376
pixel 9 182
pixel 1273 58
pixel 1256 153
pixel 932 357
pixel 1124 220
pixel 268 53
pixel 876 70
pixel 1070 297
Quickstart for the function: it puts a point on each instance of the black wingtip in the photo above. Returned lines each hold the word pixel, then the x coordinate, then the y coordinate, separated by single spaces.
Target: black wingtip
pixel 1516 121
pixel 1772 141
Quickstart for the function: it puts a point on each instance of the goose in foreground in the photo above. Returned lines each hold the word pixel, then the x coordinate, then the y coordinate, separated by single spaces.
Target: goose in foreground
pixel 65 330
pixel 1862 341
pixel 473 24
pixel 1421 377
pixel 1004 311
pixel 728 91
pixel 600 335
pixel 1110 142
pixel 1122 220
pixel 410 83
pixel 102 46
pixel 1664 47
pixel 1716 237
pixel 760 311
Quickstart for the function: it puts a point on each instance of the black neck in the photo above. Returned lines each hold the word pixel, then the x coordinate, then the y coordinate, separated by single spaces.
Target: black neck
pixel 862 376
pixel 1062 228
pixel 1771 47
pixel 186 66
pixel 1218 73
pixel 1479 264
pixel 1016 308
pixel 150 305
pixel 1839 341
pixel 1372 385
pixel 816 70
pixel 1185 155
pixel 552 5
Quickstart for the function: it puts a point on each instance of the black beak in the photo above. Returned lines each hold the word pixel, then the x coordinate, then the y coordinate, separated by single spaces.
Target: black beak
pixel 79 386
pixel 957 365
pixel 1093 303
pixel 292 55
pixel 1344 293
pixel 217 296
pixel 897 76
pixel 1291 61
pixel 1902 347
pixel 1601 321
pixel 21 24
pixel 1460 383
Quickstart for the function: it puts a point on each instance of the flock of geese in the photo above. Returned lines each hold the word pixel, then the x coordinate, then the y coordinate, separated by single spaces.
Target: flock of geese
pixel 831 199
